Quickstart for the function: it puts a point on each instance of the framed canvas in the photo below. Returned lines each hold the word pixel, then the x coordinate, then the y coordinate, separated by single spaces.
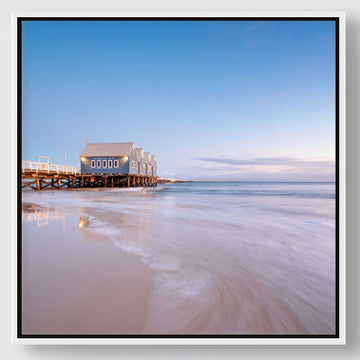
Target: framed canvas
pixel 180 178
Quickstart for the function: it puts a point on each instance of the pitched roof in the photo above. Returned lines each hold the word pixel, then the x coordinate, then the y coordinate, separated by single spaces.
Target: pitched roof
pixel 107 149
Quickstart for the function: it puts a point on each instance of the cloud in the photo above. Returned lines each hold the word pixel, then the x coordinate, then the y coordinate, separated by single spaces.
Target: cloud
pixel 282 161
pixel 272 168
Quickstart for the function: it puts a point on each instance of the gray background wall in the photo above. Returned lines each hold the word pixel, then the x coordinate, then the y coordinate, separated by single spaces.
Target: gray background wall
pixel 351 351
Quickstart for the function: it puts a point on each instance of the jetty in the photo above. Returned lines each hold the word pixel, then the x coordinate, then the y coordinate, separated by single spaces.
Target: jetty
pixel 40 176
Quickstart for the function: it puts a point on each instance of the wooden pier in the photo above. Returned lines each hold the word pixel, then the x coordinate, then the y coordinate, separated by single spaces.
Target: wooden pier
pixel 37 176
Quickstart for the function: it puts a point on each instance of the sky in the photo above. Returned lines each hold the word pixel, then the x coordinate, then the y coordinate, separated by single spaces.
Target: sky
pixel 213 100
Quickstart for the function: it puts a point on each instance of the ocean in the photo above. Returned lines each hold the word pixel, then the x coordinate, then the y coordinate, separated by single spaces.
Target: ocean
pixel 244 258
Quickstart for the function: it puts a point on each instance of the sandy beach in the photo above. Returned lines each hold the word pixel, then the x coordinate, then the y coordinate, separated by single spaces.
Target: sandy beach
pixel 180 259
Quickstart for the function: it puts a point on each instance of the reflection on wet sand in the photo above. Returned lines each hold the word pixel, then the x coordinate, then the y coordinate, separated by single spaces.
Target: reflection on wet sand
pixel 83 222
pixel 125 231
pixel 40 215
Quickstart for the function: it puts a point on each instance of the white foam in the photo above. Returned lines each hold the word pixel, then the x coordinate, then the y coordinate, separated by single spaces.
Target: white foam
pixel 135 189
pixel 157 263
pixel 104 229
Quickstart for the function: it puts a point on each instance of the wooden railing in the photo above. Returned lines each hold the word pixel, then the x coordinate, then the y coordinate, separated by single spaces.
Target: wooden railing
pixel 49 168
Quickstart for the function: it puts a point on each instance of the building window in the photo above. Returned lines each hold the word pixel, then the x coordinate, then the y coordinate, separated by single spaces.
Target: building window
pixel 104 164
pixel 109 163
pixel 116 163
pixel 98 164
pixel 92 163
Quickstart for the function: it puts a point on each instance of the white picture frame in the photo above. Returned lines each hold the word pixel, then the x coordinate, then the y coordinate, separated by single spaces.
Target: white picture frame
pixel 167 340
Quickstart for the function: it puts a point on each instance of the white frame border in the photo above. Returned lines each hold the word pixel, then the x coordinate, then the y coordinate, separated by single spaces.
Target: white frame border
pixel 341 340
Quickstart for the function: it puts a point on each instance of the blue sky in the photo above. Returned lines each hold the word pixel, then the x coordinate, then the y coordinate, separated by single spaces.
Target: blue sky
pixel 244 100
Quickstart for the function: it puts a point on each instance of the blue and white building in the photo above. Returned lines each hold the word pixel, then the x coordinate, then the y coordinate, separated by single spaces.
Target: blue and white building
pixel 115 159
pixel 141 161
pixel 153 165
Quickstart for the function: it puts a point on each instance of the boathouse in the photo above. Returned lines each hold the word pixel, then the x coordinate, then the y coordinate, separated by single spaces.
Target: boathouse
pixel 109 158
pixel 153 165
pixel 116 159
pixel 147 165
pixel 141 161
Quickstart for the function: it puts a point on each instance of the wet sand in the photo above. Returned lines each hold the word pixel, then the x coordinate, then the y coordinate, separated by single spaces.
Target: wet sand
pixel 76 282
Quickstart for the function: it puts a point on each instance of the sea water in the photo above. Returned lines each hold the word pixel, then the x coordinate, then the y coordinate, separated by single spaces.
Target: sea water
pixel 224 257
